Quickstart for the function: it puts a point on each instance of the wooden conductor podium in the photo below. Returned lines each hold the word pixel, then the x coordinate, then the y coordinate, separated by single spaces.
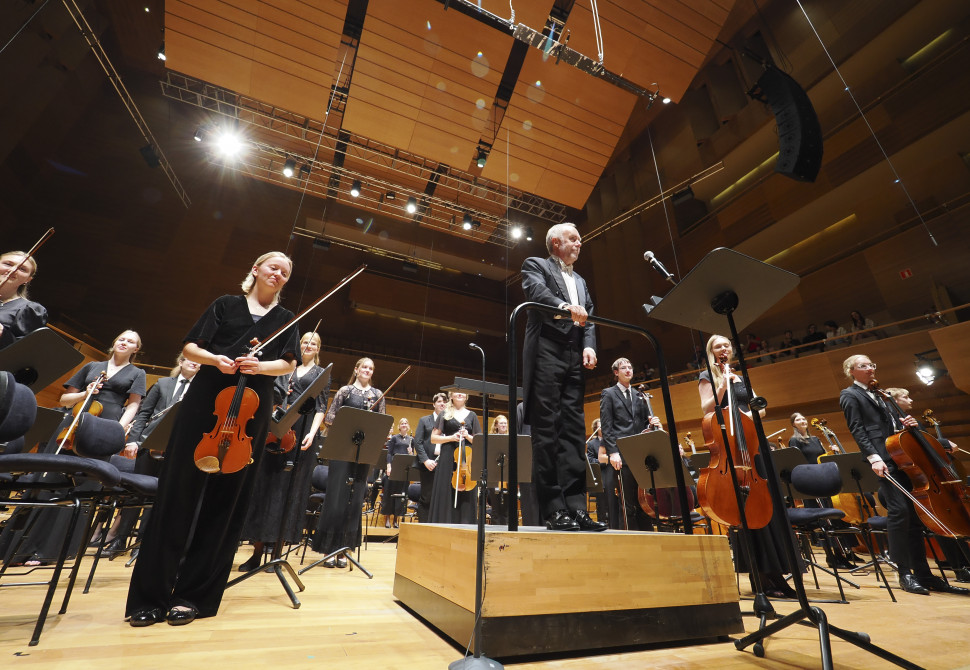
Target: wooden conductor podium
pixel 549 592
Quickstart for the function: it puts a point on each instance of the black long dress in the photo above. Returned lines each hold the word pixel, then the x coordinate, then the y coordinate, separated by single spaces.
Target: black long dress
pixel 339 523
pixel 443 508
pixel 766 542
pixel 273 502
pixel 161 577
pixel 391 505
pixel 114 392
pixel 20 317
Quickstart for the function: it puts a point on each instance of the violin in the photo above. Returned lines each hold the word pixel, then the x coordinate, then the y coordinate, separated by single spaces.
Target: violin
pixel 716 484
pixel 461 478
pixel 284 445
pixel 939 494
pixel 66 437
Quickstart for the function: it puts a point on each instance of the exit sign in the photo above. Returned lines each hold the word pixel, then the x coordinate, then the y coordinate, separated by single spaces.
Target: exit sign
pixel 905 274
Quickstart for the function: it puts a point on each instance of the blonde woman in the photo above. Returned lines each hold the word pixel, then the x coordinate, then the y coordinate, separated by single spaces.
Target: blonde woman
pixel 18 315
pixel 456 425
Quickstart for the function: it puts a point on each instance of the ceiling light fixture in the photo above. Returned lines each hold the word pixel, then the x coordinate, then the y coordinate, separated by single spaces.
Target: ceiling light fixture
pixel 516 232
pixel 528 233
pixel 289 168
pixel 229 144
pixel 198 134
pixel 304 171
pixel 355 188
pixel 466 221
pixel 412 205
pixel 926 371
pixel 161 51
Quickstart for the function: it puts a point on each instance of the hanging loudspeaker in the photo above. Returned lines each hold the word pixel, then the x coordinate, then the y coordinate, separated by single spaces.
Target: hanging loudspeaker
pixel 799 133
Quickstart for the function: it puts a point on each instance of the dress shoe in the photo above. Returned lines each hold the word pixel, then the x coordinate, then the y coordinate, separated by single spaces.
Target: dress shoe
pixel 561 520
pixel 585 522
pixel 146 617
pixel 330 563
pixel 116 546
pixel 962 574
pixel 251 564
pixel 182 615
pixel 839 563
pixel 341 561
pixel 910 584
pixel 934 583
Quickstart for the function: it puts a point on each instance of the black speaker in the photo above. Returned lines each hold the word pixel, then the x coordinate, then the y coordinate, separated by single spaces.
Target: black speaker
pixel 799 133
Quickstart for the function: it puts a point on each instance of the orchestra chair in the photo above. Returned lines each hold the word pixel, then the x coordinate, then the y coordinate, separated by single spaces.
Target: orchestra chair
pixel 318 493
pixel 414 494
pixel 66 478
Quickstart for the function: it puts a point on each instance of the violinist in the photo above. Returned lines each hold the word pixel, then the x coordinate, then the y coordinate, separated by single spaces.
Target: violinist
pixel 339 523
pixel 457 425
pixel 269 507
pixel 394 503
pixel 872 421
pixel 427 454
pixel 192 535
pixel 624 412
pixel 769 553
pixel 18 315
pixel 956 551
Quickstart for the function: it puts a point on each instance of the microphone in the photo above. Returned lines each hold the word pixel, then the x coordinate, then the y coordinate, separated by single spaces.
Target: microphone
pixel 658 266
pixel 472 345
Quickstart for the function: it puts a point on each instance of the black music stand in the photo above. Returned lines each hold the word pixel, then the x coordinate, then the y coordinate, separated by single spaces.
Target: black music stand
pixel 498 459
pixel 649 459
pixel 39 359
pixel 708 296
pixel 301 408
pixel 700 460
pixel 43 429
pixel 357 437
pixel 404 469
pixel 157 441
pixel 856 474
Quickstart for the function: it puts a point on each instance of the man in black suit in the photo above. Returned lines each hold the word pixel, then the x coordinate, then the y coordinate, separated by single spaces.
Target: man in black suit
pixel 163 394
pixel 871 421
pixel 426 453
pixel 555 353
pixel 624 412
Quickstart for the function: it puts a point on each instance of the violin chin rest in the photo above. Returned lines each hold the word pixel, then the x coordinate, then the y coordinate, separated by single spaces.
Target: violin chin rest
pixel 208 464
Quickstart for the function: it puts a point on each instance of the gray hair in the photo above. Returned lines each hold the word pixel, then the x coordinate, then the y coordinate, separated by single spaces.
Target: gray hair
pixel 556 232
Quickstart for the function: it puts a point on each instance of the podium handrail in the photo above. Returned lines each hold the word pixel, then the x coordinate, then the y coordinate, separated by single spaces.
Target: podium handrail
pixel 513 481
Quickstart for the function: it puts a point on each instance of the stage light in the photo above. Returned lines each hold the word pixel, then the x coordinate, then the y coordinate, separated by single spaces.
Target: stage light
pixel 466 222
pixel 482 158
pixel 229 144
pixel 161 52
pixel 516 232
pixel 198 134
pixel 665 101
pixel 355 188
pixel 289 168
pixel 412 205
pixel 928 366
pixel 408 266
pixel 528 233
pixel 304 171
pixel 322 245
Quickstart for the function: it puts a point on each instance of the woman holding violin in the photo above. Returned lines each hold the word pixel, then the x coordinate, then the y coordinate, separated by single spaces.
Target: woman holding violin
pixel 872 420
pixel 18 315
pixel 339 523
pixel 769 554
pixel 455 429
pixel 275 501
pixel 192 535
pixel 393 501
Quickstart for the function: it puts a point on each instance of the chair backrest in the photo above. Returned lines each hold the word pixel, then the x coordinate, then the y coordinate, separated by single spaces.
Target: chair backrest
pixel 414 491
pixel 319 477
pixel 816 480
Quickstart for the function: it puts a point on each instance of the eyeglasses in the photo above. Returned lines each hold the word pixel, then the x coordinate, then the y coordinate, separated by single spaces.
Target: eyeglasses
pixel 866 366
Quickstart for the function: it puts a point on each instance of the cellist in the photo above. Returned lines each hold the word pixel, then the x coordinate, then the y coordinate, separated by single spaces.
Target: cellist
pixel 181 573
pixel 871 422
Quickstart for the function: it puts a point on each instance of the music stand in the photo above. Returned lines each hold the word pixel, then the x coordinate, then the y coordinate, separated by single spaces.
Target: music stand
pixel 498 459
pixel 40 358
pixel 709 295
pixel 403 469
pixel 651 463
pixel 43 429
pixel 157 441
pixel 279 428
pixel 357 437
pixel 700 460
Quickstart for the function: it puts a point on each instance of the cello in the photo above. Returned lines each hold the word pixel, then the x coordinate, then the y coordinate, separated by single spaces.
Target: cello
pixel 939 494
pixel 715 486
pixel 850 503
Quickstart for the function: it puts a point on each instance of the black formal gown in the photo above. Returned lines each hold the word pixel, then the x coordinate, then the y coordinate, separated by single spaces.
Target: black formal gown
pixel 20 317
pixel 179 564
pixel 339 522
pixel 443 509
pixel 275 501
pixel 391 505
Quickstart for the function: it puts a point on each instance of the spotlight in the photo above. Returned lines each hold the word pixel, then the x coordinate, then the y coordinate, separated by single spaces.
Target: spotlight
pixel 161 52
pixel 466 222
pixel 412 205
pixel 229 144
pixel 198 134
pixel 408 266
pixel 390 195
pixel 355 189
pixel 665 101
pixel 926 373
pixel 926 369
pixel 516 232
pixel 528 233
pixel 322 245
pixel 304 171
pixel 482 154
pixel 289 168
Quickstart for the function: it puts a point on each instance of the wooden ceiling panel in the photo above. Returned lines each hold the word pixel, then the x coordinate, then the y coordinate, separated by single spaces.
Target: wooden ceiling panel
pixel 651 41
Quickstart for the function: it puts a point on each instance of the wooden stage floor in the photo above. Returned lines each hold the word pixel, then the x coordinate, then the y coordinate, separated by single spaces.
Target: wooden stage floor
pixel 350 622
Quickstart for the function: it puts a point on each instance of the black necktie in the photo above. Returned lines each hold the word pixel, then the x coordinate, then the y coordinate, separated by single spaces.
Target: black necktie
pixel 180 391
pixel 629 400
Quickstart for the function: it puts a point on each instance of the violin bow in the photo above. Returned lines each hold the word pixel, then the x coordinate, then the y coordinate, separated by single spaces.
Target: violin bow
pixel 31 252
pixel 384 393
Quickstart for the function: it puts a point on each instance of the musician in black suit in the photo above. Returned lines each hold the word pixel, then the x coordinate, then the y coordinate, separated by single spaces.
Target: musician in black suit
pixel 163 394
pixel 624 412
pixel 871 421
pixel 426 454
pixel 555 353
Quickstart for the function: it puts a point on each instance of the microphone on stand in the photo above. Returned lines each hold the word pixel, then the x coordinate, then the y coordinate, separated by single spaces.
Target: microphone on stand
pixel 658 266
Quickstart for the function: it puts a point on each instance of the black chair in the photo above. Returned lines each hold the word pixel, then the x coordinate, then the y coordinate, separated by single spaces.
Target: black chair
pixel 318 482
pixel 64 477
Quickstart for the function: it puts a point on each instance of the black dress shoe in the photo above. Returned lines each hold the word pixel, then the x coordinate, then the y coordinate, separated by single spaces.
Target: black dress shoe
pixel 146 617
pixel 561 521
pixel 116 546
pixel 585 522
pixel 910 584
pixel 962 574
pixel 251 564
pixel 934 583
pixel 839 564
pixel 181 616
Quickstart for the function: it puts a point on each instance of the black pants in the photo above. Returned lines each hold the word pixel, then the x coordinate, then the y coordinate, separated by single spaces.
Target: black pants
pixel 424 500
pixel 905 530
pixel 636 518
pixel 558 428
